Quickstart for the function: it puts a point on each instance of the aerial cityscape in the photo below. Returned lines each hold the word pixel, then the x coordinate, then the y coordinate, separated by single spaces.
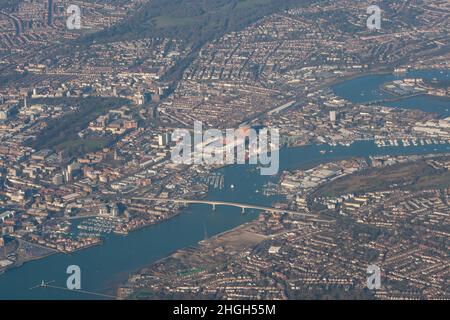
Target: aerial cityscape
pixel 225 149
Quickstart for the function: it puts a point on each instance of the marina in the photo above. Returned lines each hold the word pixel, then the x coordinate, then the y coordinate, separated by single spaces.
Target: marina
pixel 96 226
pixel 214 180
pixel 104 265
pixel 406 142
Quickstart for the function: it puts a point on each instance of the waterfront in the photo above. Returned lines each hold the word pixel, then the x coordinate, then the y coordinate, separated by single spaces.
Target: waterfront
pixel 102 267
pixel 367 89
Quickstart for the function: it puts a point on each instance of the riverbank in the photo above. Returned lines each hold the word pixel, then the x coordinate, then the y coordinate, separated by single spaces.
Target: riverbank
pixel 205 255
pixel 121 255
pixel 99 243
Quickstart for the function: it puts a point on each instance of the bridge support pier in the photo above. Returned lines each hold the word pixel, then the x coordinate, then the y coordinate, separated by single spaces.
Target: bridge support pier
pixel 243 210
pixel 214 206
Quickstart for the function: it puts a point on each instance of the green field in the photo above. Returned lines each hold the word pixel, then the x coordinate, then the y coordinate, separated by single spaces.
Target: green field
pixel 245 4
pixel 81 146
pixel 168 21
pixel 195 21
pixel 62 133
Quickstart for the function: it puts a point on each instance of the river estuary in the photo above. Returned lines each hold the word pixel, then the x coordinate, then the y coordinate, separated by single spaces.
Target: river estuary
pixel 106 265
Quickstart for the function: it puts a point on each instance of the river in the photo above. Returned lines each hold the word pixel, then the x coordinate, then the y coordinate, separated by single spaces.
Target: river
pixel 367 88
pixel 113 261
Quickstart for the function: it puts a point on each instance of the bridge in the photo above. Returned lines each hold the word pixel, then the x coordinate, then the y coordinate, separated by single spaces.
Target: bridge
pixel 243 206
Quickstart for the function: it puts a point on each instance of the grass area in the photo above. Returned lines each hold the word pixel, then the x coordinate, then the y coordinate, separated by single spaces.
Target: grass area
pixel 245 4
pixel 62 133
pixel 190 272
pixel 195 21
pixel 9 4
pixel 82 146
pixel 412 176
pixel 439 181
pixel 168 21
pixel 143 294
pixel 11 78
